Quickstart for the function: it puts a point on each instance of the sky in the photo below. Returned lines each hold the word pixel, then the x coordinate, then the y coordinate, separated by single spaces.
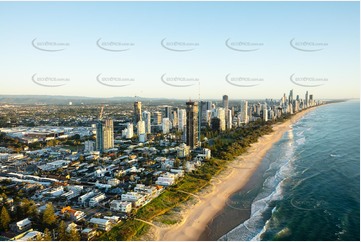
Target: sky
pixel 180 49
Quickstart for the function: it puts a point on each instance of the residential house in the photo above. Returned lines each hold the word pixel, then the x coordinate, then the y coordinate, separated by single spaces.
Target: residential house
pixel 21 226
pixel 30 236
pixel 88 234
pixel 94 201
pixel 102 224
pixel 75 215
pixel 135 198
pixel 121 206
pixel 84 198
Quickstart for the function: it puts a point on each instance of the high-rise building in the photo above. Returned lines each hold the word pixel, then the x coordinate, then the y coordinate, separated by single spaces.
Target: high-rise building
pixel 140 127
pixel 244 113
pixel 157 118
pixel 167 110
pixel 230 119
pixel 128 131
pixel 205 106
pixel 182 116
pixel 306 100
pixel 192 124
pixel 290 97
pixel 225 106
pixel 283 101
pixel 99 145
pixel 165 125
pixel 295 106
pixel 104 135
pixel 258 109
pixel 209 117
pixel 137 112
pixel 311 100
pixel 265 114
pixel 108 134
pixel 174 117
pixel 221 115
pixel 272 115
pixel 146 118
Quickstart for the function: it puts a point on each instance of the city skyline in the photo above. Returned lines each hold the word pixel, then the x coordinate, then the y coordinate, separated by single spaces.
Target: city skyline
pixel 244 59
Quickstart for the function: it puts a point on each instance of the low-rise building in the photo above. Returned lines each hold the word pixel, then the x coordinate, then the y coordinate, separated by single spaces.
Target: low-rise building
pixel 150 191
pixel 88 234
pixel 84 198
pixel 121 206
pixel 94 201
pixel 31 236
pixel 135 198
pixel 167 179
pixel 113 182
pixel 21 226
pixel 102 224
pixel 55 192
pixel 75 215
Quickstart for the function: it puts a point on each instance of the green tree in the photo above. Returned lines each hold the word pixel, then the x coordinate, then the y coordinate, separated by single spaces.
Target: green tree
pixel 74 235
pixel 47 235
pixel 176 163
pixel 62 236
pixel 39 237
pixel 27 208
pixel 49 217
pixel 4 219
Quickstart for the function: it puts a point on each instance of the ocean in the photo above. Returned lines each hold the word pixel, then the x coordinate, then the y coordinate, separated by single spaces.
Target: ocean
pixel 308 187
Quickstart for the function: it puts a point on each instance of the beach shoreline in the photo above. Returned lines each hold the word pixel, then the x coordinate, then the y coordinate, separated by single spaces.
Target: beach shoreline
pixel 238 172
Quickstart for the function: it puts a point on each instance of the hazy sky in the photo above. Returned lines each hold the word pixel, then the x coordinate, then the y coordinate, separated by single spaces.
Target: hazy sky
pixel 272 47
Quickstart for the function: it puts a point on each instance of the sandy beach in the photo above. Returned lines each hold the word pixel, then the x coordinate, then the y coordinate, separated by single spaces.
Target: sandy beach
pixel 237 175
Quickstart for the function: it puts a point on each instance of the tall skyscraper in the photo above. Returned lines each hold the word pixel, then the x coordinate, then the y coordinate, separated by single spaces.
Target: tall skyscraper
pixel 244 112
pixel 284 99
pixel 146 117
pixel 140 127
pixel 265 114
pixel 221 115
pixel 205 106
pixel 165 125
pixel 99 145
pixel 137 112
pixel 174 117
pixel 306 100
pixel 182 116
pixel 290 97
pixel 157 118
pixel 258 109
pixel 230 119
pixel 311 100
pixel 104 135
pixel 167 110
pixel 192 124
pixel 225 106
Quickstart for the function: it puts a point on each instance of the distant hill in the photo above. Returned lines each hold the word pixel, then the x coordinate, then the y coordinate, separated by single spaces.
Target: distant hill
pixel 64 100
